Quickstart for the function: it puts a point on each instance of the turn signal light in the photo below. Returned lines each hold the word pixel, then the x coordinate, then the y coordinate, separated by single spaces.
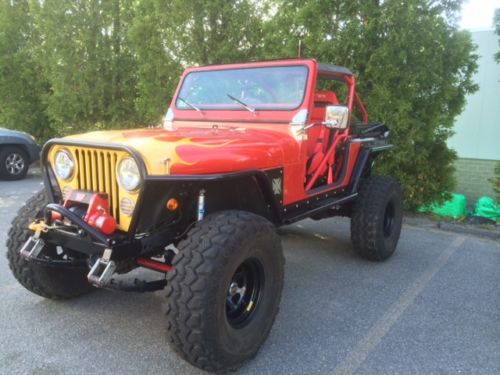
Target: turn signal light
pixel 172 204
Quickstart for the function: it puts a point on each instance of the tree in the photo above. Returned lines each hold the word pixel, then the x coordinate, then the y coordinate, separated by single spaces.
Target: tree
pixel 496 178
pixel 414 69
pixel 74 65
pixel 88 61
pixel 158 67
pixel 22 83
pixel 497 31
pixel 214 32
pixel 177 33
pixel 495 182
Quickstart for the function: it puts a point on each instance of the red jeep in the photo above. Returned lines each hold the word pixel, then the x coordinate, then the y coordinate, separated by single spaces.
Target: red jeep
pixel 244 148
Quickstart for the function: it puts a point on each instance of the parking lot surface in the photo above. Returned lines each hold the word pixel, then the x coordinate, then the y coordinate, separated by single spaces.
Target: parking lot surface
pixel 432 308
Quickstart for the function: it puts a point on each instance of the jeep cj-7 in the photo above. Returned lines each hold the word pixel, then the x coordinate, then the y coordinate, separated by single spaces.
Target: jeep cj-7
pixel 244 149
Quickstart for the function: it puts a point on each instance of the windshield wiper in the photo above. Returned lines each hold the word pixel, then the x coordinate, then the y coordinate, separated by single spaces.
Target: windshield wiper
pixel 246 106
pixel 189 104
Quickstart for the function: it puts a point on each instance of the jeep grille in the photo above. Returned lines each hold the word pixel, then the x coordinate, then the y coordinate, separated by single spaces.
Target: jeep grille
pixel 97 172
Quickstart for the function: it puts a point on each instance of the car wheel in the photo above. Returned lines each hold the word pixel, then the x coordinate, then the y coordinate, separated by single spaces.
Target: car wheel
pixel 224 290
pixel 376 218
pixel 14 163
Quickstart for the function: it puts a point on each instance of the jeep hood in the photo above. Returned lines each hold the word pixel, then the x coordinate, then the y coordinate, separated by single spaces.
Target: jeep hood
pixel 203 150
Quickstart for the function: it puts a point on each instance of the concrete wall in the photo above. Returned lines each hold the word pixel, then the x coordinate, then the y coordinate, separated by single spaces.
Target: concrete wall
pixel 472 178
pixel 477 129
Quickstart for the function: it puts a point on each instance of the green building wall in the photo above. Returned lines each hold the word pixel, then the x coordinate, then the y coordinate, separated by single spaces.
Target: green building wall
pixel 477 129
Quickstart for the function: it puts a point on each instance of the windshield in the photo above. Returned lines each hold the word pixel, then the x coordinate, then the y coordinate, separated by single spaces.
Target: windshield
pixel 269 88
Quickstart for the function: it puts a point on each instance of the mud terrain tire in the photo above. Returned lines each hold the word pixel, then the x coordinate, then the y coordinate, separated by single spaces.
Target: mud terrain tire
pixel 49 281
pixel 224 290
pixel 376 218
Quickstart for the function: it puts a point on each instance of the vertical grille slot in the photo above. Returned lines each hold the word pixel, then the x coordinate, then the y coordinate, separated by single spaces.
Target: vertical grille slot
pixel 94 170
pixel 100 171
pixel 114 188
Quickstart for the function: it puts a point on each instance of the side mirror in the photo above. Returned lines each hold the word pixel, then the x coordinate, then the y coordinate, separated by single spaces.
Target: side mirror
pixel 336 117
pixel 168 120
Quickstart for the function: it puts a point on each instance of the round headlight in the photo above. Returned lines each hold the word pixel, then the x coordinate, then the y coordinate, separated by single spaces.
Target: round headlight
pixel 64 165
pixel 129 176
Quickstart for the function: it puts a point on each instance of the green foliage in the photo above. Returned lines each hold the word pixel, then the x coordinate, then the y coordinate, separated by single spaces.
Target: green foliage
pixel 414 70
pixel 158 68
pixel 169 35
pixel 213 32
pixel 495 181
pixel 69 66
pixel 497 30
pixel 22 83
pixel 88 62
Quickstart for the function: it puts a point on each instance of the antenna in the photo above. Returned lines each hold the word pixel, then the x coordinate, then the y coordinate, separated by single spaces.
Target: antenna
pixel 300 45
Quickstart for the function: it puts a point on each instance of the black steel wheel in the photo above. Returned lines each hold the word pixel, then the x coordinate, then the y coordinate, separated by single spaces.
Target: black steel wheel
pixel 376 218
pixel 244 292
pixel 14 163
pixel 224 290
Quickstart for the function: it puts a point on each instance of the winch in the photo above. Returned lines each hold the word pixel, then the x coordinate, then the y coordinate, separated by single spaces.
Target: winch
pixel 93 208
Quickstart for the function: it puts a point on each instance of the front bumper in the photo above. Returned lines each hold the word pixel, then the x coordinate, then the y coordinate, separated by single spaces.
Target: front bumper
pixel 78 236
pixel 105 255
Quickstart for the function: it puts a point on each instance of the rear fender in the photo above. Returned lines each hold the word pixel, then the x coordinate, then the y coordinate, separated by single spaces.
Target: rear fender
pixel 364 163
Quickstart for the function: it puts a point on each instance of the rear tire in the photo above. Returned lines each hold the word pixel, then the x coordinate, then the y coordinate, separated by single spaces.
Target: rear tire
pixel 376 218
pixel 49 281
pixel 14 163
pixel 224 290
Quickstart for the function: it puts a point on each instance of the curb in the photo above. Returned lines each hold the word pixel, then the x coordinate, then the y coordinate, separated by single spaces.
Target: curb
pixel 467 229
pixel 35 169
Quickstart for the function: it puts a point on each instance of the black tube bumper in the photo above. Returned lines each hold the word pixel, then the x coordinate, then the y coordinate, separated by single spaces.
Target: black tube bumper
pixel 88 240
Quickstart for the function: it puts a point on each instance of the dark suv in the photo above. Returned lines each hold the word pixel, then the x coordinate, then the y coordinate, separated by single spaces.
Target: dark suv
pixel 17 151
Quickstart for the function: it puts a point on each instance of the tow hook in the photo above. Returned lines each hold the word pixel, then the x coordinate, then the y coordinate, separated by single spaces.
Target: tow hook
pixel 103 269
pixel 33 247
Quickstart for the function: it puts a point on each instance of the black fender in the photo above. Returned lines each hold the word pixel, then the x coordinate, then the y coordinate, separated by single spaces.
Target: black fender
pixel 249 191
pixel 363 164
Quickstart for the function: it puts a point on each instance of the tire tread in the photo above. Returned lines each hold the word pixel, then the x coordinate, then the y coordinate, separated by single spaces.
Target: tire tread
pixel 194 273
pixel 365 220
pixel 28 273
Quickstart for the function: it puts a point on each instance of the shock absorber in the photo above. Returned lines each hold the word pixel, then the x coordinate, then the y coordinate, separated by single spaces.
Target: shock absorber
pixel 201 205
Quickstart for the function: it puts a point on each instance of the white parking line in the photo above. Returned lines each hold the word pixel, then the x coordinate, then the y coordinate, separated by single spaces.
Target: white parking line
pixel 375 335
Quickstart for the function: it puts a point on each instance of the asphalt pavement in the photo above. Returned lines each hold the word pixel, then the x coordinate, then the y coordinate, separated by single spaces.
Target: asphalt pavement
pixel 432 308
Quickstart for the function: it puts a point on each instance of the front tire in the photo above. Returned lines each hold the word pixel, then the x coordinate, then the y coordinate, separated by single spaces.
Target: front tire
pixel 49 281
pixel 376 218
pixel 224 291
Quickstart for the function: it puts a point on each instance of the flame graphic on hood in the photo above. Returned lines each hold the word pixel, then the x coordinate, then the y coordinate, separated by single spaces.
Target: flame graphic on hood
pixel 176 142
pixel 188 151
